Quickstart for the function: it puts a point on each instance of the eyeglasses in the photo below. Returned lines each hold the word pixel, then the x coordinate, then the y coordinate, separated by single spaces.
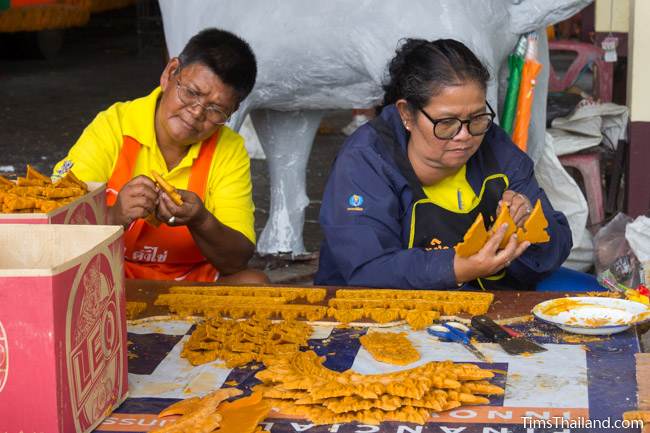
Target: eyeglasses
pixel 192 98
pixel 449 127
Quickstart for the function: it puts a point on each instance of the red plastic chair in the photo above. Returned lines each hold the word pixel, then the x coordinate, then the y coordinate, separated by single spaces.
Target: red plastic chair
pixel 587 162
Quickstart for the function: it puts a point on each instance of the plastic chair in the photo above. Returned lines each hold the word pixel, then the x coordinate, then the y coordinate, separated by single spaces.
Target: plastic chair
pixel 587 162
pixel 568 280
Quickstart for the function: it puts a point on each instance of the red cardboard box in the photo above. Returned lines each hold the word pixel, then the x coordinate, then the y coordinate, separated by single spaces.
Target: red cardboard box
pixel 63 357
pixel 87 209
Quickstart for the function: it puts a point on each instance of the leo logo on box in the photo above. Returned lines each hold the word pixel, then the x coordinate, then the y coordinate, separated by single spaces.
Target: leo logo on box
pixel 93 336
pixel 4 357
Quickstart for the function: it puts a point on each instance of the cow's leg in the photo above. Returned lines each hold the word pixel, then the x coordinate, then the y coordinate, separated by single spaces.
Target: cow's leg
pixel 286 137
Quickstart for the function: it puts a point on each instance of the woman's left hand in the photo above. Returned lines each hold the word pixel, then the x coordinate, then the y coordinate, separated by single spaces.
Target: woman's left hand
pixel 519 204
pixel 191 212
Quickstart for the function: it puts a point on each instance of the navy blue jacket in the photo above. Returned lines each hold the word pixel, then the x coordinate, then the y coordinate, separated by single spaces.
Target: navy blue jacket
pixel 366 212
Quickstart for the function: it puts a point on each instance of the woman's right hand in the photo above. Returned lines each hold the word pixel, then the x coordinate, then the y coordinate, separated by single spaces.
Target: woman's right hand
pixel 489 260
pixel 137 199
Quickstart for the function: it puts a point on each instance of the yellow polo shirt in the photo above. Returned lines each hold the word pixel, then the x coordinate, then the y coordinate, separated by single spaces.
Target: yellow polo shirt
pixel 453 193
pixel 229 190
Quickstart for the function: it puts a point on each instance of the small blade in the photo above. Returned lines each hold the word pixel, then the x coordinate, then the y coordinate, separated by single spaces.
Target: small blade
pixel 476 352
pixel 512 345
pixel 519 345
pixel 530 345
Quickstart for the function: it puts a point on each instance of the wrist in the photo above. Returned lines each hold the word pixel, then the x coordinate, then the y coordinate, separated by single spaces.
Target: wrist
pixel 462 270
pixel 200 219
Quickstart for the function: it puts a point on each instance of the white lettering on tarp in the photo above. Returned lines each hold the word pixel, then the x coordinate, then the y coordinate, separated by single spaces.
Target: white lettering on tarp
pixel 463 414
pixel 155 422
pixel 453 430
pixel 150 254
pixel 301 427
pixel 367 428
pixel 493 414
pixel 543 415
pixel 334 428
pixel 493 430
pixel 267 425
pixel 407 429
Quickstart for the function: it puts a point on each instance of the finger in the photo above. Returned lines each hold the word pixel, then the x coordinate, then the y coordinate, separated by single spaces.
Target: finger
pixel 164 212
pixel 138 212
pixel 142 202
pixel 508 196
pixel 507 254
pixel 141 190
pixel 169 203
pixel 142 180
pixel 185 195
pixel 523 246
pixel 492 245
pixel 520 216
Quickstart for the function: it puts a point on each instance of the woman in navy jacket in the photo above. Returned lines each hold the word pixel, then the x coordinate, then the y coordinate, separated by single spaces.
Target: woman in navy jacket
pixel 406 186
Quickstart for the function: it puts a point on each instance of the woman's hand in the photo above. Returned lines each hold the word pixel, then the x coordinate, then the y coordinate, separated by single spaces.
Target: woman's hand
pixel 489 260
pixel 137 199
pixel 192 212
pixel 519 206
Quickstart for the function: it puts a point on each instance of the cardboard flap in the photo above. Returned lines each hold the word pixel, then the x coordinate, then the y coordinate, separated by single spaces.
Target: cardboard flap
pixel 48 249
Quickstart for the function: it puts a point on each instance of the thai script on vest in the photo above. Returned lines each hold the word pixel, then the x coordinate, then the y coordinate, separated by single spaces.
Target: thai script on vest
pixel 150 254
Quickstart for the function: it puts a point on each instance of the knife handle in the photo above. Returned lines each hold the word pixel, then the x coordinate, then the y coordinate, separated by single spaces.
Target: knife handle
pixel 489 328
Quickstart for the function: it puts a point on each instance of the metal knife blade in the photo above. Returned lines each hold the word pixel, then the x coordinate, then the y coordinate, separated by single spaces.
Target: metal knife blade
pixel 475 351
pixel 512 345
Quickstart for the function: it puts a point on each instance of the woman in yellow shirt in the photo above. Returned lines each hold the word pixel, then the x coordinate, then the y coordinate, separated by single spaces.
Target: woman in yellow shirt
pixel 178 130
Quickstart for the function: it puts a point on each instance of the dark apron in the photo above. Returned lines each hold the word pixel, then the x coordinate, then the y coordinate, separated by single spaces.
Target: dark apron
pixel 434 227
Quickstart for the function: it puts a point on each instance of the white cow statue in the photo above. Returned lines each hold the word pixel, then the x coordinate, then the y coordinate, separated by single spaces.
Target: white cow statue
pixel 321 55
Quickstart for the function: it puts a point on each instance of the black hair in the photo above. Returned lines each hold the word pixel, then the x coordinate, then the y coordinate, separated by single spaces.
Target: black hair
pixel 227 55
pixel 421 68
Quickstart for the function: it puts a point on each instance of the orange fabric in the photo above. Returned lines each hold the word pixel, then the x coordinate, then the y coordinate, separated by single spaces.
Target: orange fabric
pixel 164 252
pixel 123 170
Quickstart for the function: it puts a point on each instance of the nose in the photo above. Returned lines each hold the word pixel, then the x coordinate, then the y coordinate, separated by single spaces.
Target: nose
pixel 463 134
pixel 196 109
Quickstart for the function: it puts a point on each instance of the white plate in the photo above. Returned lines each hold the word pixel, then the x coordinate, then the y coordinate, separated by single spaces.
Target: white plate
pixel 592 315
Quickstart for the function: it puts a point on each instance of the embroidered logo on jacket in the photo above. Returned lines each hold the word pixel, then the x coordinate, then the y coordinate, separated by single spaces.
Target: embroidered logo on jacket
pixel 436 244
pixel 150 254
pixel 355 201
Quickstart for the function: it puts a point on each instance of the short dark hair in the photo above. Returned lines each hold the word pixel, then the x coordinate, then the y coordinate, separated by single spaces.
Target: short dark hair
pixel 421 68
pixel 227 55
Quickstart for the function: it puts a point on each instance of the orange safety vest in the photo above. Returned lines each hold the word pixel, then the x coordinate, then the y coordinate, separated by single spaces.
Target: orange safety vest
pixel 164 252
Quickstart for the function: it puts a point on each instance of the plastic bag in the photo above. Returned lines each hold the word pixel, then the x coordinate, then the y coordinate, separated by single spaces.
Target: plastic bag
pixel 560 104
pixel 616 263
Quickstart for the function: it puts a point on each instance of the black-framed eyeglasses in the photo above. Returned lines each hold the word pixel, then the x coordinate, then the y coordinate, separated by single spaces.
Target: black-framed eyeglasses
pixel 449 127
pixel 192 98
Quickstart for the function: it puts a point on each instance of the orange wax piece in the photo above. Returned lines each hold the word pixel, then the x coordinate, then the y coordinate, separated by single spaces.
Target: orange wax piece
pixel 243 415
pixel 503 218
pixel 474 239
pixel 534 230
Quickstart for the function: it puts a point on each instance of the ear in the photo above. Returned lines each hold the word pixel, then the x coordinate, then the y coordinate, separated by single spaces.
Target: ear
pixel 168 72
pixel 405 113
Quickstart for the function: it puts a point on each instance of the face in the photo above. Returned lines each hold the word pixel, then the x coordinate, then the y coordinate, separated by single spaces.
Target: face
pixel 428 151
pixel 185 123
